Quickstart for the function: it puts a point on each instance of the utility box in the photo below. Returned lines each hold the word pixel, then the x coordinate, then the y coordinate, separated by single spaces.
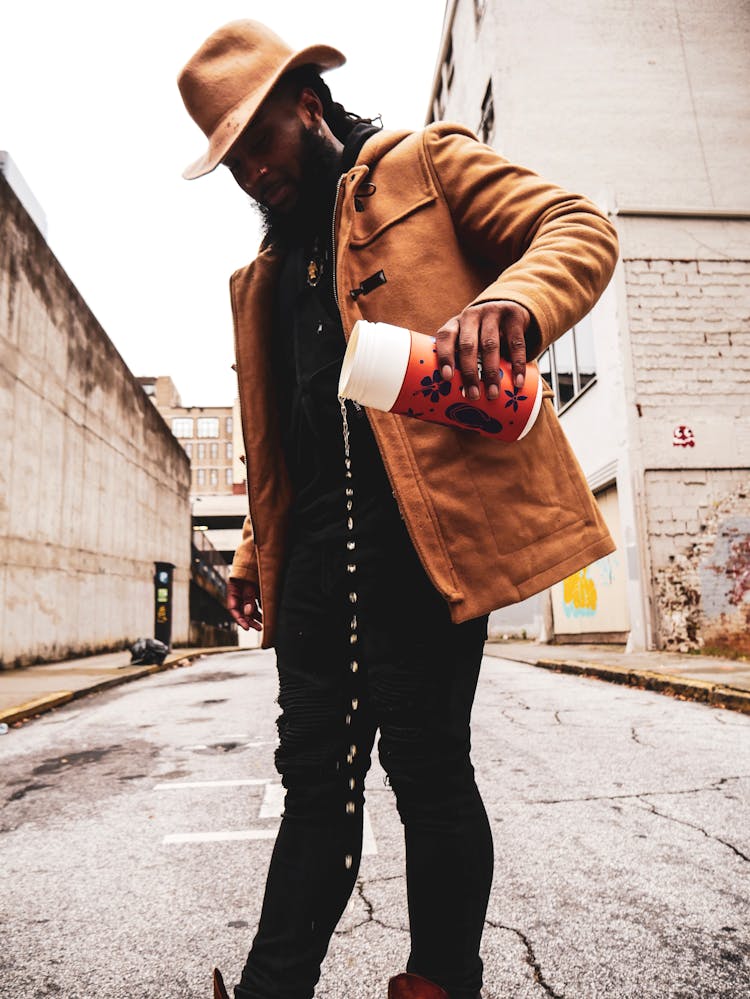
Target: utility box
pixel 163 602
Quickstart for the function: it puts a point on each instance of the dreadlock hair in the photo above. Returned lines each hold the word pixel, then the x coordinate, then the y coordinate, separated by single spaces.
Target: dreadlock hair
pixel 339 120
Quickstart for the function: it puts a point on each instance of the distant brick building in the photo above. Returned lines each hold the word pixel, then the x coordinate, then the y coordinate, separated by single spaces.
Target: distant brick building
pixel 643 107
pixel 208 435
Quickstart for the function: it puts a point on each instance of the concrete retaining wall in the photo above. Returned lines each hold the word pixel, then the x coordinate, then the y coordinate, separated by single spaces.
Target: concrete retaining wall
pixel 93 487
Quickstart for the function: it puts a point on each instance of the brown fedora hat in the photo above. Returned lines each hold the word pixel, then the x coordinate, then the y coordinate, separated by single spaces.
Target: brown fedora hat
pixel 230 76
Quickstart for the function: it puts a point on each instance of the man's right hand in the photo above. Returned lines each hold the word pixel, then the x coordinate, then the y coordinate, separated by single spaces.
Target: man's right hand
pixel 242 604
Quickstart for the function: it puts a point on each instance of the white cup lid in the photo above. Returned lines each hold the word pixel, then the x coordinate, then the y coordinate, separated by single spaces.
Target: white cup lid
pixel 375 364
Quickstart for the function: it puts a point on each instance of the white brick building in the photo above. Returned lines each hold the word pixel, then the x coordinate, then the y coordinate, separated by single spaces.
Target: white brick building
pixel 644 107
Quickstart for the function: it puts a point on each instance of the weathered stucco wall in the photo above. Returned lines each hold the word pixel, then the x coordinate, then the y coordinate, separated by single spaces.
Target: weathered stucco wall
pixel 93 487
pixel 699 524
pixel 649 99
pixel 688 301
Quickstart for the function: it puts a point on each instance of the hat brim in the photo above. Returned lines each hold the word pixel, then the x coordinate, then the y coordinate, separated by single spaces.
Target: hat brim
pixel 235 122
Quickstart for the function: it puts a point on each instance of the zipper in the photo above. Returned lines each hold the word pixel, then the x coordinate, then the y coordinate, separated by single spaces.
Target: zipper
pixel 441 589
pixel 333 255
pixel 333 239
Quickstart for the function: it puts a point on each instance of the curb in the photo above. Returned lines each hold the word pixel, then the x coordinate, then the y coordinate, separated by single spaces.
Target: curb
pixel 40 705
pixel 717 695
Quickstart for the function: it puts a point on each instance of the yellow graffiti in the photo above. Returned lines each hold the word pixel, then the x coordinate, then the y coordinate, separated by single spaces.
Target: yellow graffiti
pixel 579 594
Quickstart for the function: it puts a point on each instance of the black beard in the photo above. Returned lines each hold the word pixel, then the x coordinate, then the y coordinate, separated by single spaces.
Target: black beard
pixel 311 215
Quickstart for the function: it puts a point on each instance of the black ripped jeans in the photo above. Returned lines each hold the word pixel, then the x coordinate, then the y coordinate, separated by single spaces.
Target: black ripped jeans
pixel 415 680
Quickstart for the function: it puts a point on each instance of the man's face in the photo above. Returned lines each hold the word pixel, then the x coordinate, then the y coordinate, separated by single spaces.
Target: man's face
pixel 270 159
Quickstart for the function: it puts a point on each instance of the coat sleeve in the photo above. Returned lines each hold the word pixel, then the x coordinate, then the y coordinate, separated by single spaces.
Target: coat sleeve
pixel 554 251
pixel 245 562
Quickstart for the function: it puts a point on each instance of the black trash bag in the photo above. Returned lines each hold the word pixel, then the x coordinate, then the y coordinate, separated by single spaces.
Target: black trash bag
pixel 148 652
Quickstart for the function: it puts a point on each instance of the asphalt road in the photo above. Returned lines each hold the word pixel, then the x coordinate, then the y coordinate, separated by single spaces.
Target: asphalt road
pixel 621 822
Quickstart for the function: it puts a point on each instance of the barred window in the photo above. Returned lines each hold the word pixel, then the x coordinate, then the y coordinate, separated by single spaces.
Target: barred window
pixel 449 67
pixel 438 106
pixel 569 365
pixel 486 129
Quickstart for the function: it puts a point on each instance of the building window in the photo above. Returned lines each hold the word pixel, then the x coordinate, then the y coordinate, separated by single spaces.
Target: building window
pixel 228 478
pixel 229 424
pixel 438 106
pixel 449 68
pixel 230 450
pixel 200 477
pixel 214 451
pixel 188 449
pixel 182 427
pixel 201 452
pixel 568 365
pixel 208 426
pixel 486 130
pixel 214 476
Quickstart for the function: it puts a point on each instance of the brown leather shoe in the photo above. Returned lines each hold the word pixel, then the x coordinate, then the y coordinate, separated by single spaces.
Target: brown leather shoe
pixel 414 987
pixel 219 991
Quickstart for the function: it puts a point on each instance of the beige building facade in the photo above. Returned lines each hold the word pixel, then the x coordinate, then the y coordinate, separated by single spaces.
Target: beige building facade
pixel 207 435
pixel 94 490
pixel 645 108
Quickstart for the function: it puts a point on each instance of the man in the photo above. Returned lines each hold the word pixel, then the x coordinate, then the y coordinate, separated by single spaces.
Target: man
pixel 376 572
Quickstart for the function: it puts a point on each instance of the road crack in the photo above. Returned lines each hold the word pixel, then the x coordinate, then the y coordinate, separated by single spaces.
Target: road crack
pixel 691 825
pixel 530 958
pixel 715 786
pixel 370 916
pixel 505 712
pixel 636 738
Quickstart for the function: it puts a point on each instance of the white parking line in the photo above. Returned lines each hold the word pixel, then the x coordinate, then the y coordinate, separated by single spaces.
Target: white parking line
pixel 219 837
pixel 271 808
pixel 273 802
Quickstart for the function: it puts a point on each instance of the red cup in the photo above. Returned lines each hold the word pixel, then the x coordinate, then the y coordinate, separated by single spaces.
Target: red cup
pixel 395 370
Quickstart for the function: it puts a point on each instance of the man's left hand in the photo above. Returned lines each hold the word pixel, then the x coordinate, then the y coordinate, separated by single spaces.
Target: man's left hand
pixel 478 332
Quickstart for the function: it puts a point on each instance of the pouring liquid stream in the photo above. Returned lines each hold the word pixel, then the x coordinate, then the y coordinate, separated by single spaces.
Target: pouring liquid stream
pixel 351 570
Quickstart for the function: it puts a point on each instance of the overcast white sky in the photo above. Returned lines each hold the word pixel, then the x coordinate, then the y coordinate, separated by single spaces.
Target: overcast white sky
pixel 91 116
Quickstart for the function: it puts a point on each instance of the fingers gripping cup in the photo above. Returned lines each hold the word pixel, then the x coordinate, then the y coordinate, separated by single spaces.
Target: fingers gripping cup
pixel 396 370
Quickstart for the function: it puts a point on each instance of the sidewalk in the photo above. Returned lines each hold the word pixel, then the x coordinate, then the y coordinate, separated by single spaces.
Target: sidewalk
pixel 720 682
pixel 32 690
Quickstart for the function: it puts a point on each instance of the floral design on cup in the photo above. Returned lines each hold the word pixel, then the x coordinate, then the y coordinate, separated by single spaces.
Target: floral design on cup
pixel 435 386
pixel 515 398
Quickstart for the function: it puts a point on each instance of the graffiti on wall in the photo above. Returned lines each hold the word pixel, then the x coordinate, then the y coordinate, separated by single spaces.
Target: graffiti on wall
pixel 725 587
pixel 582 591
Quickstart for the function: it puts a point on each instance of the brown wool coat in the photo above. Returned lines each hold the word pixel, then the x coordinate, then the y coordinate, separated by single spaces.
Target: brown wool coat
pixel 450 223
